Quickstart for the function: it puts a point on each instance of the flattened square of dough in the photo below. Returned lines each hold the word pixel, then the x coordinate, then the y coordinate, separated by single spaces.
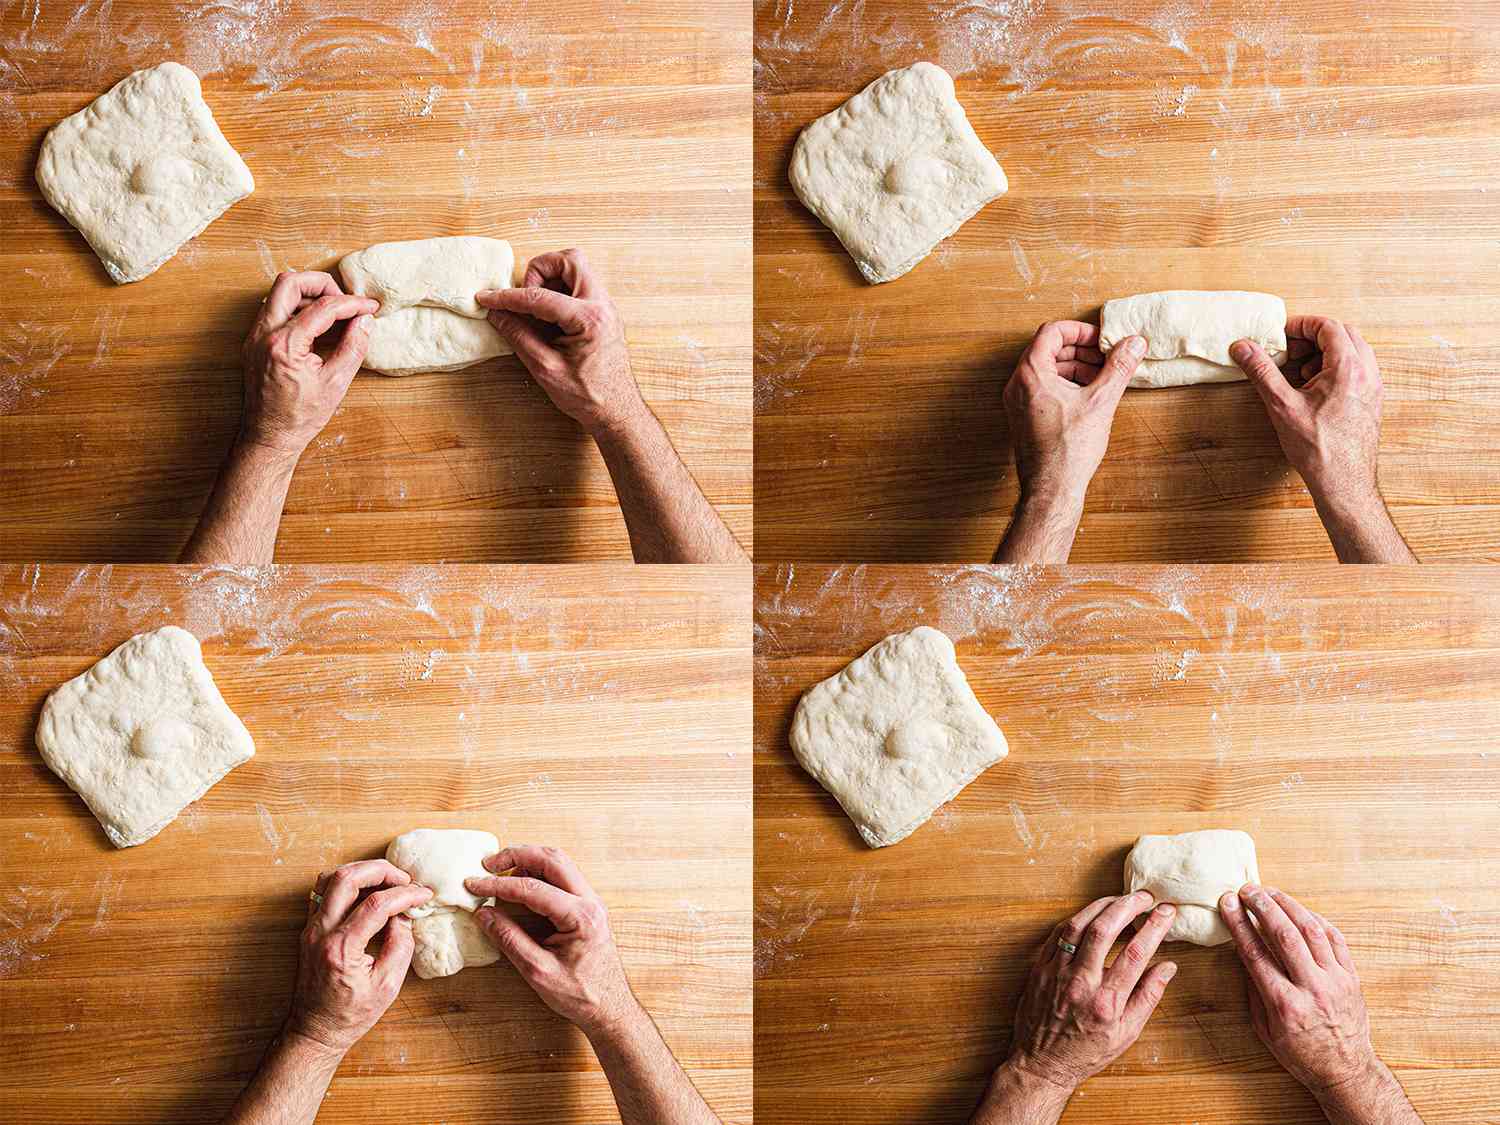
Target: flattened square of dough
pixel 447 937
pixel 142 169
pixel 895 170
pixel 142 734
pixel 1193 870
pixel 428 318
pixel 1188 333
pixel 896 734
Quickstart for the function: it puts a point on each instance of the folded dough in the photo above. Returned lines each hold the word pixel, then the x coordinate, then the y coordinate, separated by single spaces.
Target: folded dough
pixel 1188 333
pixel 428 318
pixel 1193 871
pixel 896 734
pixel 142 169
pixel 142 734
pixel 446 935
pixel 895 170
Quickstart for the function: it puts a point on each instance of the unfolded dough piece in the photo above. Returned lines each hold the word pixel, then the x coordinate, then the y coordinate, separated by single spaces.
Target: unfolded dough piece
pixel 895 170
pixel 142 734
pixel 1193 871
pixel 446 935
pixel 428 318
pixel 1188 333
pixel 142 169
pixel 896 734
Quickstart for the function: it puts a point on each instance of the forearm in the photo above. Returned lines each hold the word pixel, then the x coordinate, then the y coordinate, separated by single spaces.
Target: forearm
pixel 1375 1098
pixel 1042 528
pixel 1016 1097
pixel 649 1086
pixel 289 1086
pixel 1361 529
pixel 668 517
pixel 240 520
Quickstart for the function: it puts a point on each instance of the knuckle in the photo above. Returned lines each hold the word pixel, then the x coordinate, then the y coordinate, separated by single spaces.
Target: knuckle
pixel 1101 1006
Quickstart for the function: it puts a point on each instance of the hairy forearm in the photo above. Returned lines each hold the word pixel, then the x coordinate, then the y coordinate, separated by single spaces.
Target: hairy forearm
pixel 668 517
pixel 289 1086
pixel 1375 1098
pixel 1042 528
pixel 243 512
pixel 1361 529
pixel 649 1086
pixel 1016 1097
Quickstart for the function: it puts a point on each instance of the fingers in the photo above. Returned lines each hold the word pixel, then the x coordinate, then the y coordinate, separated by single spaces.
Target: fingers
pixel 1309 925
pixel 530 346
pixel 1281 935
pixel 324 313
pixel 1267 377
pixel 1331 336
pixel 1078 371
pixel 341 887
pixel 343 362
pixel 1340 947
pixel 510 938
pixel 1118 367
pixel 395 953
pixel 1074 928
pixel 370 916
pixel 1265 974
pixel 1057 336
pixel 570 268
pixel 1104 929
pixel 291 288
pixel 557 906
pixel 552 864
pixel 555 308
pixel 1131 963
pixel 1148 993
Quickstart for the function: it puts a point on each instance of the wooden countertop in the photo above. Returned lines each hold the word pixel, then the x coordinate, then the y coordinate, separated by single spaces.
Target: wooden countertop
pixel 1339 154
pixel 620 128
pixel 1347 719
pixel 605 709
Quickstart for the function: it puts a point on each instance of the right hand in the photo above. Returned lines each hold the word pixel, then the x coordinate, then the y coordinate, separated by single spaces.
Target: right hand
pixel 1077 1015
pixel 341 990
pixel 290 391
pixel 576 969
pixel 1327 415
pixel 1060 403
pixel 1305 1001
pixel 564 328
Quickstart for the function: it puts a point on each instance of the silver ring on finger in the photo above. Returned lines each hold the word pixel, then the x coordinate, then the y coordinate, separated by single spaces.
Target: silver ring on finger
pixel 1067 947
pixel 315 898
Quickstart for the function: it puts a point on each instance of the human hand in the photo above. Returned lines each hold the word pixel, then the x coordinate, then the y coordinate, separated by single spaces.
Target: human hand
pixel 341 990
pixel 1078 1015
pixel 575 969
pixel 564 327
pixel 290 391
pixel 1326 412
pixel 1060 403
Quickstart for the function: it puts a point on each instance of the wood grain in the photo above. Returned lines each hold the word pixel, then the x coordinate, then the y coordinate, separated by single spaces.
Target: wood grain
pixel 605 709
pixel 623 129
pixel 1346 718
pixel 1336 154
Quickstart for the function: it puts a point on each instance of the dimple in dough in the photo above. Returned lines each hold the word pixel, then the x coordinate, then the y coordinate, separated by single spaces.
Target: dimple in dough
pixel 142 734
pixel 1188 333
pixel 1193 871
pixel 896 734
pixel 895 170
pixel 446 936
pixel 428 318
pixel 142 170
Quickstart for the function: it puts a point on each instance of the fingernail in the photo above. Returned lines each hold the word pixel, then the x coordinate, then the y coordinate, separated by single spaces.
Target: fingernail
pixel 1166 910
pixel 1239 351
pixel 365 320
pixel 1170 970
pixel 1136 345
pixel 1230 902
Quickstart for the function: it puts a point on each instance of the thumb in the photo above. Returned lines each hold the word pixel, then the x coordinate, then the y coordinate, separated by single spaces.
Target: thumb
pixel 345 359
pixel 1256 364
pixel 1118 367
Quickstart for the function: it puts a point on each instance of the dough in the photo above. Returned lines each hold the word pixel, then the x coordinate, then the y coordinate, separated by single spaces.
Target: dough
pixel 895 170
pixel 1193 871
pixel 1188 333
pixel 142 734
pixel 896 734
pixel 447 937
pixel 142 170
pixel 428 319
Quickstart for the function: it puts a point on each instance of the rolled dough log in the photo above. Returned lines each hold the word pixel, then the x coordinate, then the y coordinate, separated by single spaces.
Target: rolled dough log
pixel 896 734
pixel 142 169
pixel 142 734
pixel 446 935
pixel 428 318
pixel 1193 871
pixel 1188 333
pixel 895 170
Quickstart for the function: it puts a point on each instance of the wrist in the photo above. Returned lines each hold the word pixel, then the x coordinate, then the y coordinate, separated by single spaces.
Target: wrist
pixel 1357 1087
pixel 619 423
pixel 620 1023
pixel 1053 496
pixel 1014 1086
pixel 272 456
pixel 304 1046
